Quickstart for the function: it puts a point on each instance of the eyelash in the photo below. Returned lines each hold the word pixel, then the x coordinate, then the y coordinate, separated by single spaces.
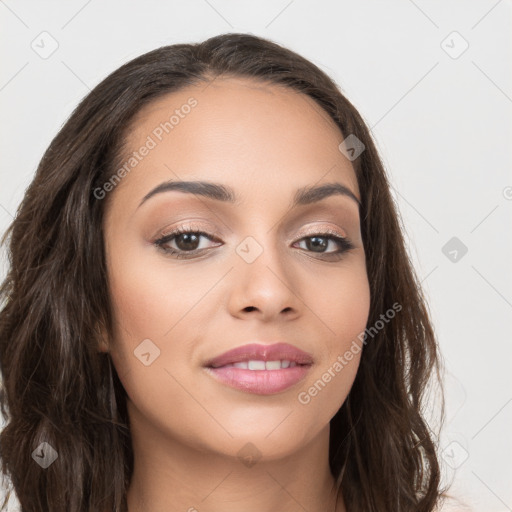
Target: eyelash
pixel 345 243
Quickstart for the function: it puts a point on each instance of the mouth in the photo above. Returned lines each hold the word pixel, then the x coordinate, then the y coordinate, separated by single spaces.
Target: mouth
pixel 257 356
pixel 256 365
pixel 260 369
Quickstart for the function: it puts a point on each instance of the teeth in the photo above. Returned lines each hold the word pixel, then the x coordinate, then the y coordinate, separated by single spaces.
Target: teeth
pixel 256 365
pixel 262 365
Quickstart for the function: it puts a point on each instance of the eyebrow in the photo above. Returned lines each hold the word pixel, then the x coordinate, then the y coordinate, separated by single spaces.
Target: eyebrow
pixel 219 192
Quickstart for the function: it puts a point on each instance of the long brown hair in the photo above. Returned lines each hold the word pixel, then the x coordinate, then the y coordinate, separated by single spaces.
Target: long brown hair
pixel 59 389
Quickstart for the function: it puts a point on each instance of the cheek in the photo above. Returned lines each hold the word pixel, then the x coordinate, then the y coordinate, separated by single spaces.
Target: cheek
pixel 341 303
pixel 151 295
pixel 153 306
pixel 161 309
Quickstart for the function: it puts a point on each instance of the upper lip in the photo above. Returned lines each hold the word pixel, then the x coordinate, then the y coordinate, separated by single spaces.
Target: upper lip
pixel 258 352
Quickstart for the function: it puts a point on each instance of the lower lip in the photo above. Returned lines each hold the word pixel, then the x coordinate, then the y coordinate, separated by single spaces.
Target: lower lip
pixel 260 382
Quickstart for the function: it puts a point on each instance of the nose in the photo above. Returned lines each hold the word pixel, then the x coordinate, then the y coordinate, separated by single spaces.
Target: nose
pixel 266 288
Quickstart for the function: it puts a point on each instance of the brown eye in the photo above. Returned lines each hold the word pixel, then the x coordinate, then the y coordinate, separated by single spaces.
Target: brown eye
pixel 186 241
pixel 319 242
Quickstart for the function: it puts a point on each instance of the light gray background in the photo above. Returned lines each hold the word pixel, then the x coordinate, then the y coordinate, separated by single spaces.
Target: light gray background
pixel 441 121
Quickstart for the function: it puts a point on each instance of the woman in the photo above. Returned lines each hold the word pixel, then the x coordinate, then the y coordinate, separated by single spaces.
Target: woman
pixel 210 304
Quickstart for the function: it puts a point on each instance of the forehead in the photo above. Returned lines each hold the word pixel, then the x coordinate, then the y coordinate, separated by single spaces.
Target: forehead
pixel 254 136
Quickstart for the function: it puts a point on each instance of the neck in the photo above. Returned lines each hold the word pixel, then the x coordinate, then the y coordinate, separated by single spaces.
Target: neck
pixel 170 475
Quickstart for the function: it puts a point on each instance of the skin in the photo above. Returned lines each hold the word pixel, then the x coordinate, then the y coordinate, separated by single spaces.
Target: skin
pixel 187 429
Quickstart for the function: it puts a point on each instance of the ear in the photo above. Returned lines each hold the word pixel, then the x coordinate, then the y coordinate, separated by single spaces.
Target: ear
pixel 102 338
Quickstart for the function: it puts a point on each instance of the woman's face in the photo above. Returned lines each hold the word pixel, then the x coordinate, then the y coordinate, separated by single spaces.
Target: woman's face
pixel 259 279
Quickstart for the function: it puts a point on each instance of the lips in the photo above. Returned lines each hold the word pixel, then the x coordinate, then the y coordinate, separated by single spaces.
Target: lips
pixel 259 382
pixel 254 354
pixel 260 369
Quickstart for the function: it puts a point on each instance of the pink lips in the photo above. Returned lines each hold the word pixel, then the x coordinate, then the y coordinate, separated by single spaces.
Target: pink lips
pixel 260 381
pixel 256 352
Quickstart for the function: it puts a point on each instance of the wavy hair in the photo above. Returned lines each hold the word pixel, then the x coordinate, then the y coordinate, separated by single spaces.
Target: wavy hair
pixel 59 389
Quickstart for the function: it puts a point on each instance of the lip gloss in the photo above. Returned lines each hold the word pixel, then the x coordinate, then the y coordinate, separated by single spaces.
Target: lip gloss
pixel 260 382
